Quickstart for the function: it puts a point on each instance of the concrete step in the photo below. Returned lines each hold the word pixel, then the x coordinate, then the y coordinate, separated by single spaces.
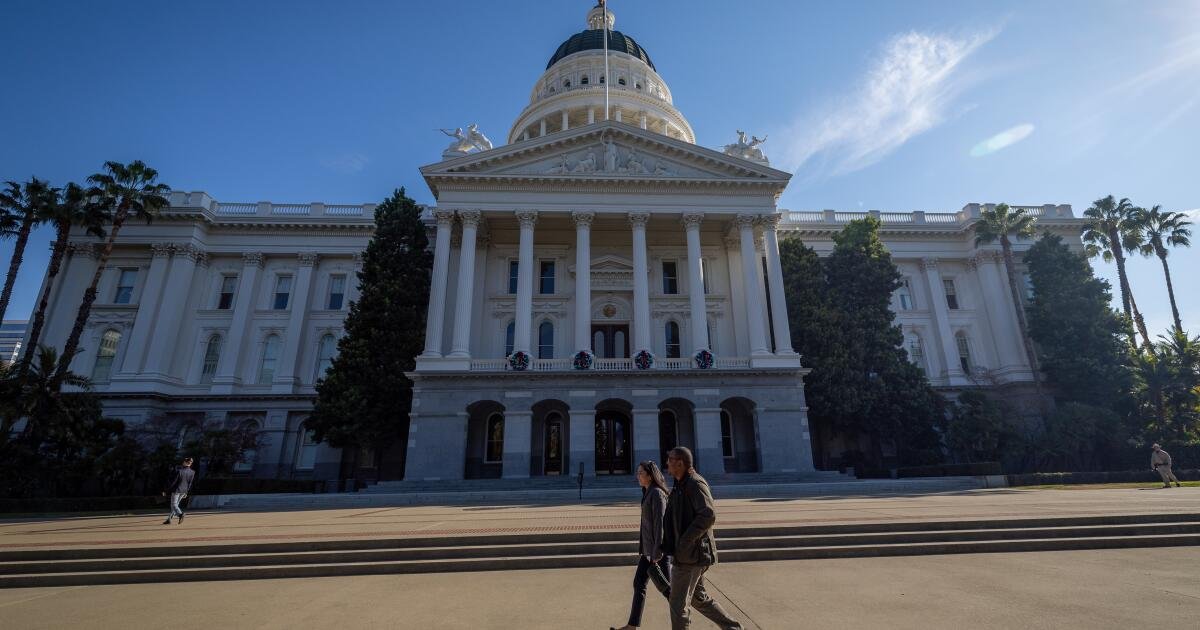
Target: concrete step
pixel 580 549
pixel 566 482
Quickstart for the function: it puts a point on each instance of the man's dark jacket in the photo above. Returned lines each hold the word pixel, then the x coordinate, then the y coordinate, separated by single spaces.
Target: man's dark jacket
pixel 688 526
pixel 182 483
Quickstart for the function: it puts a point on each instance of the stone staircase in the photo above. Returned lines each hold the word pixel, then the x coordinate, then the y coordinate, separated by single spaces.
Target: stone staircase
pixel 244 561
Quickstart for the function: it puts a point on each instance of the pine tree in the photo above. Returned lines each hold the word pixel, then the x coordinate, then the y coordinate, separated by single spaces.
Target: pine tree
pixel 365 398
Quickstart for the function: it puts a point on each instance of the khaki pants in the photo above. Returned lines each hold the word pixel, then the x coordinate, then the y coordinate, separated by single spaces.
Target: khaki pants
pixel 687 589
pixel 1166 474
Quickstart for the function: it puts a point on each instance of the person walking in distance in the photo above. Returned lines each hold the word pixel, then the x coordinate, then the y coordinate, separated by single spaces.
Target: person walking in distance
pixel 1160 461
pixel 178 489
pixel 688 539
pixel 652 564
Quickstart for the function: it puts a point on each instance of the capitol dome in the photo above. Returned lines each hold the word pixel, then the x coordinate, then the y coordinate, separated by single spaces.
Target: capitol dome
pixel 571 91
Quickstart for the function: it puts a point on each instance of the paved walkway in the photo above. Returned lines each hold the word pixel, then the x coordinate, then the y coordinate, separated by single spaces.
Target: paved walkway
pixel 224 526
pixel 1059 590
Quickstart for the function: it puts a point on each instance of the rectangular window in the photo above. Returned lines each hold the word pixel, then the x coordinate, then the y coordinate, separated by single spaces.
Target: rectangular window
pixel 546 278
pixel 228 289
pixel 124 294
pixel 283 293
pixel 514 268
pixel 726 435
pixel 964 353
pixel 337 292
pixel 704 276
pixel 670 272
pixel 951 294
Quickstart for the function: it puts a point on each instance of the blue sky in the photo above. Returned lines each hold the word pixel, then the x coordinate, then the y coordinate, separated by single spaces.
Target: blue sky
pixel 874 105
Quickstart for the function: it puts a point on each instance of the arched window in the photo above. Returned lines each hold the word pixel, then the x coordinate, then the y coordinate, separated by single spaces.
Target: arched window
pixel 904 295
pixel 672 340
pixel 212 354
pixel 493 452
pixel 306 448
pixel 916 351
pixel 964 351
pixel 584 80
pixel 726 435
pixel 326 348
pixel 602 78
pixel 621 81
pixel 248 433
pixel 105 356
pixel 546 341
pixel 509 332
pixel 270 356
pixel 567 83
pixel 619 344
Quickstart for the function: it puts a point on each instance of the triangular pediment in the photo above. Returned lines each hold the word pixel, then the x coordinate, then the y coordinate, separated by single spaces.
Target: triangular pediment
pixel 605 151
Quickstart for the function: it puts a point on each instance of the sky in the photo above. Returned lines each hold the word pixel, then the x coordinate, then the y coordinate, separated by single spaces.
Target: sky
pixel 895 106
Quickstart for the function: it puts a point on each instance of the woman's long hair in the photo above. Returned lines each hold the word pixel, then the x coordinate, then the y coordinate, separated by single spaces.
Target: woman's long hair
pixel 656 477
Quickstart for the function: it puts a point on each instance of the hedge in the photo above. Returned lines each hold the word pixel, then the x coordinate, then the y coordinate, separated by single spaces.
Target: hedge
pixel 1120 476
pixel 977 469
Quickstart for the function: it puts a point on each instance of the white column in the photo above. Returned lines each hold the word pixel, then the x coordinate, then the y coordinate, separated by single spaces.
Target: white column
pixel 941 319
pixel 754 307
pixel 437 289
pixel 542 127
pixel 583 279
pixel 1006 331
pixel 243 305
pixel 736 294
pixel 175 297
pixel 591 115
pixel 460 346
pixel 691 223
pixel 148 304
pixel 641 283
pixel 524 319
pixel 642 122
pixel 565 121
pixel 617 114
pixel 779 315
pixel 285 374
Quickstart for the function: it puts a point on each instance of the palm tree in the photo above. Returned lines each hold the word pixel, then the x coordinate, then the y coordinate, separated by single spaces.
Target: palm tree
pixel 1000 224
pixel 1163 229
pixel 1110 231
pixel 36 395
pixel 23 206
pixel 124 189
pixel 72 208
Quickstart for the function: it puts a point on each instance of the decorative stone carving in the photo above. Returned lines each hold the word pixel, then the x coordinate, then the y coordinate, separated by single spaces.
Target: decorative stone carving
pixel 745 220
pixel 444 218
pixel 583 219
pixel 747 150
pixel 692 219
pixel 470 217
pixel 637 219
pixel 202 258
pixel 252 259
pixel 465 143
pixel 161 250
pixel 187 250
pixel 91 250
pixel 610 156
pixel 527 218
pixel 927 264
pixel 769 222
pixel 308 259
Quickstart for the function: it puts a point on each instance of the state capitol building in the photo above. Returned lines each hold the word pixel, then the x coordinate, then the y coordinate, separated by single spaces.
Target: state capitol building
pixel 608 232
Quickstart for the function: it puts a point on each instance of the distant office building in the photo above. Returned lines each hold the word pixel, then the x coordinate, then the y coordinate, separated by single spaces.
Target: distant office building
pixel 12 331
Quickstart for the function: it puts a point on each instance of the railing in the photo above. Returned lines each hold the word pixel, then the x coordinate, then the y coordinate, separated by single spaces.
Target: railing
pixel 290 208
pixel 1033 211
pixel 941 217
pixel 344 211
pixel 805 216
pixel 237 208
pixel 896 217
pixel 610 365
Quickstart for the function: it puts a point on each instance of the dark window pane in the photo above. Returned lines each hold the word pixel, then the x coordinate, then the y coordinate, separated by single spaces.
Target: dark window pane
pixel 547 277
pixel 670 278
pixel 513 267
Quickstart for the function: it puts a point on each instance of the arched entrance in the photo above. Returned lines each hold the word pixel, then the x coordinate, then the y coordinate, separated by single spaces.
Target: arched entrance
pixel 676 427
pixel 614 438
pixel 553 441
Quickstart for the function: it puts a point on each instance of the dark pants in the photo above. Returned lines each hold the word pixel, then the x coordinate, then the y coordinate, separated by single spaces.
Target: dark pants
pixel 660 573
pixel 688 590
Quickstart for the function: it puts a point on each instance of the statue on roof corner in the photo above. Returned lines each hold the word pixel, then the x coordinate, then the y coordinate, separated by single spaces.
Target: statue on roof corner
pixel 747 150
pixel 465 143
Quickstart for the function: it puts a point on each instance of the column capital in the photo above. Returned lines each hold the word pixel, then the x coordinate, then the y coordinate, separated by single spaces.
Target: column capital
pixel 444 218
pixel 188 250
pixel 638 219
pixel 527 218
pixel 83 247
pixel 308 259
pixel 161 250
pixel 472 218
pixel 769 222
pixel 692 220
pixel 252 259
pixel 744 221
pixel 583 219
pixel 928 264
pixel 202 258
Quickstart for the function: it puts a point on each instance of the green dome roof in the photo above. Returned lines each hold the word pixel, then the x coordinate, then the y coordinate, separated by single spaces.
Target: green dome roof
pixel 594 40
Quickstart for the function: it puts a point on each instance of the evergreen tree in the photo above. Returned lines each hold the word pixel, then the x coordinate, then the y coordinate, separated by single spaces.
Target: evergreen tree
pixel 365 398
pixel 1078 334
pixel 862 383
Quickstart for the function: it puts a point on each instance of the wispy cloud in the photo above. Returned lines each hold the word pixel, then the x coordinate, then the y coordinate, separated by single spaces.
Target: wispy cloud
pixel 346 163
pixel 908 90
pixel 1004 139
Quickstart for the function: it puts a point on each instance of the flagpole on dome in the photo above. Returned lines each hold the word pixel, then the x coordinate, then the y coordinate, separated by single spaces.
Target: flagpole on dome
pixel 604 18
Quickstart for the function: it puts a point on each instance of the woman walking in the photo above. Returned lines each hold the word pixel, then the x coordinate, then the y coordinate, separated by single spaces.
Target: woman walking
pixel 652 564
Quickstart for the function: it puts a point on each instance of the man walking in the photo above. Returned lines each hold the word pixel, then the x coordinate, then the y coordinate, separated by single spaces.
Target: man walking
pixel 178 489
pixel 1160 461
pixel 689 540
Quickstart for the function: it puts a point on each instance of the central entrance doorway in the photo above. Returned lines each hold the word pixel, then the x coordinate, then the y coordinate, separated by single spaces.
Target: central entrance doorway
pixel 610 341
pixel 612 444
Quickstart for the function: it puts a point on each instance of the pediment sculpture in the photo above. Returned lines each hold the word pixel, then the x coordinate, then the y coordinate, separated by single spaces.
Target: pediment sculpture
pixel 747 149
pixel 465 143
